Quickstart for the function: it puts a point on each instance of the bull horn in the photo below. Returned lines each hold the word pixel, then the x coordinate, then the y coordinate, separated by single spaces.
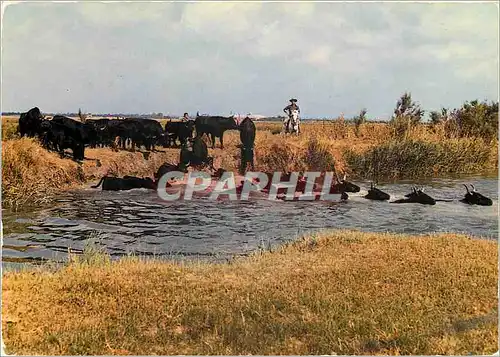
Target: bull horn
pixel 473 188
pixel 466 188
pixel 345 176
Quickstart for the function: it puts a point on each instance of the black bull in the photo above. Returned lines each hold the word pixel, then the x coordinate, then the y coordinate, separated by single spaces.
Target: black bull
pixel 376 194
pixel 147 132
pixel 59 136
pixel 247 138
pixel 125 183
pixel 30 122
pixel 62 132
pixel 473 197
pixel 83 133
pixel 214 126
pixel 417 196
pixel 197 156
pixel 178 130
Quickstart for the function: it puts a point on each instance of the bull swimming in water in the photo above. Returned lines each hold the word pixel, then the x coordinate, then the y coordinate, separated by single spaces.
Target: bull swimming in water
pixel 417 196
pixel 377 194
pixel 125 183
pixel 475 198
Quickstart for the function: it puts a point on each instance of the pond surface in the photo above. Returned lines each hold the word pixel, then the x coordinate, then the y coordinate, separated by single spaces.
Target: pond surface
pixel 139 222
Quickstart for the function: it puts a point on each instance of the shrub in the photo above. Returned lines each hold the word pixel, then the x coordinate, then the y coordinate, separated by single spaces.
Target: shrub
pixel 406 115
pixel 358 120
pixel 478 119
pixel 318 157
pixel 473 119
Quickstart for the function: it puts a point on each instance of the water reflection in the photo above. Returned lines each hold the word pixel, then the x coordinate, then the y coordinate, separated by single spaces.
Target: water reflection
pixel 139 222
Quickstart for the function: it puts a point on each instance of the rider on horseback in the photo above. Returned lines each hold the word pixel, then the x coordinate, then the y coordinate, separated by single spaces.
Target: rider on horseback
pixel 292 110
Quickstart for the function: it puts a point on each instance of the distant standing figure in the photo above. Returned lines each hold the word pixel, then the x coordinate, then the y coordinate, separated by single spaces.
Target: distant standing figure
pixel 291 124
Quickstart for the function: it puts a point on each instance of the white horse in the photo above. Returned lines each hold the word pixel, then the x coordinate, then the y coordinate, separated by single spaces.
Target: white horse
pixel 292 123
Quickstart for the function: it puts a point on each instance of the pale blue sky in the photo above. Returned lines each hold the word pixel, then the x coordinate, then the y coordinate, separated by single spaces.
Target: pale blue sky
pixel 219 58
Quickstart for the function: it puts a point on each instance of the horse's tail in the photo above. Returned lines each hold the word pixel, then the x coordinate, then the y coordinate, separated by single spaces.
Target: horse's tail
pixel 99 184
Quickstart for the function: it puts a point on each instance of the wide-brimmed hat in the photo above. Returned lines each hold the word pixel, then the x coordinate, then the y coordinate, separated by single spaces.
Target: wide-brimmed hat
pixel 293 100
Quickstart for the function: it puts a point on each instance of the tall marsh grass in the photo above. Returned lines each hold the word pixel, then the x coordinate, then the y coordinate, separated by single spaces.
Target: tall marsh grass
pixel 416 158
pixel 311 154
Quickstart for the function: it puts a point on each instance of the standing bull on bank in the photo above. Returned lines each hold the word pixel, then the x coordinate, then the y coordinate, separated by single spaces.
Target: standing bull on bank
pixel 214 126
pixel 150 133
pixel 62 133
pixel 182 130
pixel 30 123
pixel 247 137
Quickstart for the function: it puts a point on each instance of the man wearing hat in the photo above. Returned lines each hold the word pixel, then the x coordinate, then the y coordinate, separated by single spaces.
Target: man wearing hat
pixel 292 110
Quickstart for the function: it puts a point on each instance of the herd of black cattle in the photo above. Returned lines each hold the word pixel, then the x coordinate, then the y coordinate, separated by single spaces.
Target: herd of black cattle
pixel 62 132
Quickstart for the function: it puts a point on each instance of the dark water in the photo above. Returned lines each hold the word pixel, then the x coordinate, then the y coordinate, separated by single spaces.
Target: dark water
pixel 139 222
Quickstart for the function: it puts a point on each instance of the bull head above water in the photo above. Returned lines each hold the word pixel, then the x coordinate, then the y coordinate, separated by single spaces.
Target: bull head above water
pixel 475 198
pixel 343 185
pixel 417 196
pixel 377 194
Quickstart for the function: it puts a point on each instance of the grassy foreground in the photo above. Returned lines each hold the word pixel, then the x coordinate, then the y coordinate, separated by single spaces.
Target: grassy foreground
pixel 343 292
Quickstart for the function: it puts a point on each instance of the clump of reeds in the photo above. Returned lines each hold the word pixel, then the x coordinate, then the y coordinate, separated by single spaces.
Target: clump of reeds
pixel 318 156
pixel 416 158
pixel 305 154
pixel 284 157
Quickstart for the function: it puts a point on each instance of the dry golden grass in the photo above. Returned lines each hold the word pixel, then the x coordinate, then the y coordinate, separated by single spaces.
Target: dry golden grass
pixel 276 152
pixel 9 127
pixel 31 174
pixel 341 292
